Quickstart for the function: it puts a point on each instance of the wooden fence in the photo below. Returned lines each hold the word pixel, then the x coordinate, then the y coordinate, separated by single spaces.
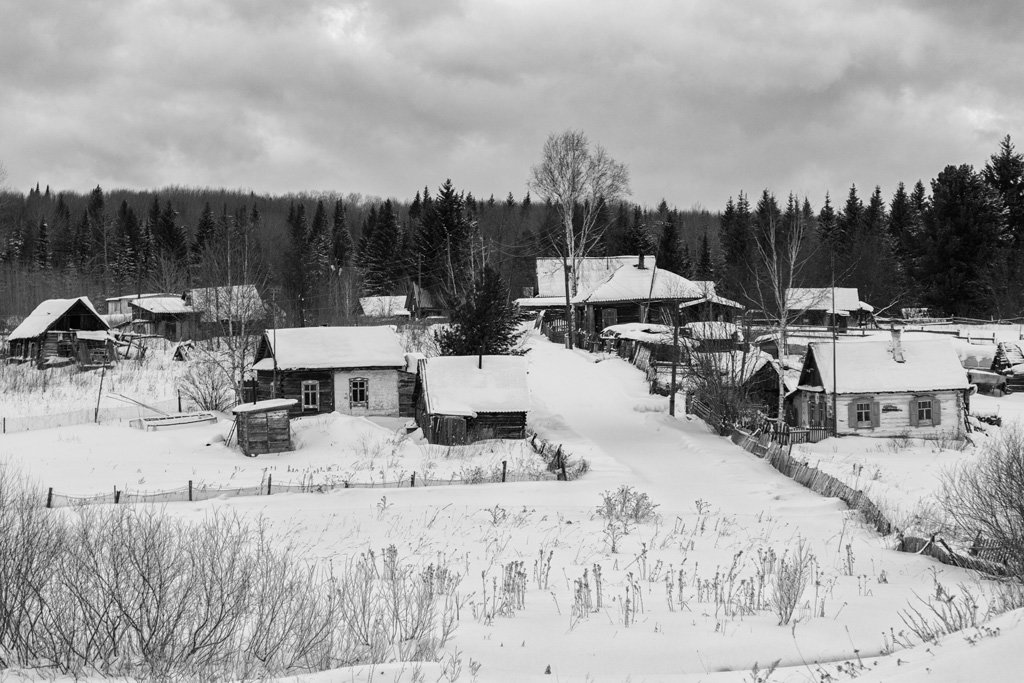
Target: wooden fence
pixel 984 558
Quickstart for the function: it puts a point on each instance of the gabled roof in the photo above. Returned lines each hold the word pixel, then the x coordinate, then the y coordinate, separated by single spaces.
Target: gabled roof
pixel 46 314
pixel 711 298
pixel 127 297
pixel 456 385
pixel 630 283
pixel 866 367
pixel 820 299
pixel 323 348
pixel 593 271
pixel 163 304
pixel 383 306
pixel 235 302
pixel 711 329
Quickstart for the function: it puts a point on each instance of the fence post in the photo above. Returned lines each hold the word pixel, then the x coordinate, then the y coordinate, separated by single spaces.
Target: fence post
pixel 117 496
pixel 190 490
pixel 270 478
pixel 412 480
pixel 179 402
pixel 504 470
pixel 49 498
pixel 5 425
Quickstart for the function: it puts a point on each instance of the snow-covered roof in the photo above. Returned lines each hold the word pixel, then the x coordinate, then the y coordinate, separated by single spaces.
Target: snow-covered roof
pixel 870 367
pixel 262 406
pixel 629 283
pixel 820 299
pixel 735 367
pixel 236 302
pixel 320 348
pixel 642 332
pixel 162 304
pixel 593 271
pixel 457 385
pixel 383 306
pixel 93 335
pixel 128 297
pixel 711 330
pixel 711 298
pixel 45 314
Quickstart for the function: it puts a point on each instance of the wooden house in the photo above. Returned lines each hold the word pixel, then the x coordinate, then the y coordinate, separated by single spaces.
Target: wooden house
pixel 352 370
pixel 170 317
pixel 883 388
pixel 462 399
pixel 714 336
pixel 62 331
pixel 423 303
pixel 264 426
pixel 388 307
pixel 614 290
pixel 229 310
pixel 823 306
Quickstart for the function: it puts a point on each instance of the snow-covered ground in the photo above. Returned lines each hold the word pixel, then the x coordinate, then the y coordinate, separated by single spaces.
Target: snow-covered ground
pixel 684 597
pixel 330 449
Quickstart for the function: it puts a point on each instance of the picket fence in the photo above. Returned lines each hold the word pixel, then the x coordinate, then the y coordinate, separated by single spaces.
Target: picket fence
pixel 820 482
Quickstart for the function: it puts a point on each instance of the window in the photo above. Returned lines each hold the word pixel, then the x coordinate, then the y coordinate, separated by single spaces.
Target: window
pixel 311 394
pixel 863 414
pixel 357 392
pixel 924 411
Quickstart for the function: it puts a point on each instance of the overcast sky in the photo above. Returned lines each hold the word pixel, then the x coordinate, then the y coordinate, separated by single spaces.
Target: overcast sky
pixel 700 99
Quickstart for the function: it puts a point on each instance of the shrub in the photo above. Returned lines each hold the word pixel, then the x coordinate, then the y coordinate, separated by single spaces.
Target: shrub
pixel 628 505
pixel 127 592
pixel 791 576
pixel 984 498
pixel 207 386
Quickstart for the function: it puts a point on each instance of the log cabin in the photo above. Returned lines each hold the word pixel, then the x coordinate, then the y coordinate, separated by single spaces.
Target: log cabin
pixel 62 331
pixel 264 426
pixel 170 317
pixel 883 388
pixel 823 306
pixel 351 370
pixel 462 399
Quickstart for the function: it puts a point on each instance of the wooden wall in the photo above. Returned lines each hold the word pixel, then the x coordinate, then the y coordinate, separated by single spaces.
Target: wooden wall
pixel 289 385
pixel 264 431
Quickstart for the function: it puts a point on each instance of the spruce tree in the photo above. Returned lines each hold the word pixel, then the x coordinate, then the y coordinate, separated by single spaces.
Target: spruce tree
pixel 382 270
pixel 706 265
pixel 443 246
pixel 670 253
pixel 42 257
pixel 485 322
pixel 342 237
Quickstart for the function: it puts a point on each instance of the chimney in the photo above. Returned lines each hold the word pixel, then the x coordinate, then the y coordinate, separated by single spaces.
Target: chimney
pixel 640 263
pixel 897 346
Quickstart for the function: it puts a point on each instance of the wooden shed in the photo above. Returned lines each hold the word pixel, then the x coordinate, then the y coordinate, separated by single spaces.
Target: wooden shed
pixel 62 331
pixel 462 399
pixel 264 426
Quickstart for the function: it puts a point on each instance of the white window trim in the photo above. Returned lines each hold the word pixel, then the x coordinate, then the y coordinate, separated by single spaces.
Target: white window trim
pixel 925 422
pixel 315 385
pixel 862 424
pixel 366 392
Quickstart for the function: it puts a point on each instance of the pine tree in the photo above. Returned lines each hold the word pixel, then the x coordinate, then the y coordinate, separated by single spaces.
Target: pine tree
pixel 850 223
pixel 443 246
pixel 828 225
pixel 705 266
pixel 736 237
pixel 342 242
pixel 204 229
pixel 41 258
pixel 670 253
pixel 1004 173
pixel 485 322
pixel 964 223
pixel 382 270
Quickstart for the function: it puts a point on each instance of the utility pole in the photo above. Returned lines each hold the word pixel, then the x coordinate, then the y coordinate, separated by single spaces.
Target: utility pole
pixel 675 359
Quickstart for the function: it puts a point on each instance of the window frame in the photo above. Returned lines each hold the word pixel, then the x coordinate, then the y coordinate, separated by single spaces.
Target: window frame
pixel 358 384
pixel 863 424
pixel 304 388
pixel 924 421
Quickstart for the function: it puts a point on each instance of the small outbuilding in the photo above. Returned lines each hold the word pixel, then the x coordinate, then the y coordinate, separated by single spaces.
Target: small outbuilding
pixel 351 370
pixel 264 426
pixel 62 331
pixel 462 399
pixel 883 388
pixel 170 317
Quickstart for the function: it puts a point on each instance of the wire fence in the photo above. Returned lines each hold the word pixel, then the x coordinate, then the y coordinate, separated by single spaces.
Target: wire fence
pixel 105 415
pixel 196 493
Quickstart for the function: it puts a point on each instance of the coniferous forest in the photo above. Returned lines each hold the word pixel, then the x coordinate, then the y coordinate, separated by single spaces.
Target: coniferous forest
pixel 954 243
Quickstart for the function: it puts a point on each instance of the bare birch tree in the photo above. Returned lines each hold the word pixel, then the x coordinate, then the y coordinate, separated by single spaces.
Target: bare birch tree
pixel 781 257
pixel 578 179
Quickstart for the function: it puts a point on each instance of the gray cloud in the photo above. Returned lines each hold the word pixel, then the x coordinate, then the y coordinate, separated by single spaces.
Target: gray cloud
pixel 701 100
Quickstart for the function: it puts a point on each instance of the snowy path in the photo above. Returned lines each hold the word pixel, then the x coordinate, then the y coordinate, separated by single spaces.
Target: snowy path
pixel 604 412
